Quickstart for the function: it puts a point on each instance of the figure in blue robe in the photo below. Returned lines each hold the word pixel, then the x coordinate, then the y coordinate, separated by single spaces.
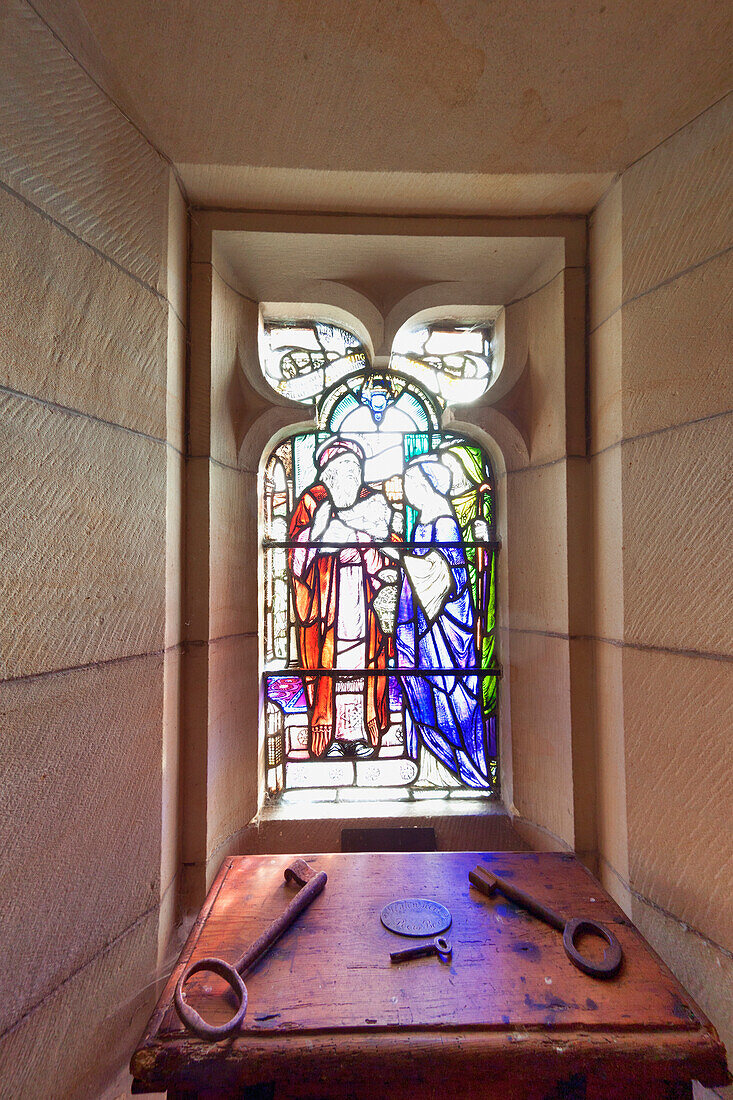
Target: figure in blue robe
pixel 435 630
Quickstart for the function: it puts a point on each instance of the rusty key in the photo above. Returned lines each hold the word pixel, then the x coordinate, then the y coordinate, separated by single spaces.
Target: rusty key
pixel 312 882
pixel 490 884
pixel 440 946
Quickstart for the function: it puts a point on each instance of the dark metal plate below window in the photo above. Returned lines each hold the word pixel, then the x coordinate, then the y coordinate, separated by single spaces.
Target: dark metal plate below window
pixel 404 838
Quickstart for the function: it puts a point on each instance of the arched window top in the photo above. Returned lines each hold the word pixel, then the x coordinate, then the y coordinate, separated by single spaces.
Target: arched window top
pixel 371 401
pixel 305 360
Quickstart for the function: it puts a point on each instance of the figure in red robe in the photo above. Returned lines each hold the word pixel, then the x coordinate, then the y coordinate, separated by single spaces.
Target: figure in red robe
pixel 334 591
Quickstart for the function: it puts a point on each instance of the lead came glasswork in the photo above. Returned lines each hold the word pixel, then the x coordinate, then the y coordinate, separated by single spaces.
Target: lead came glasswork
pixel 379 567
pixel 436 622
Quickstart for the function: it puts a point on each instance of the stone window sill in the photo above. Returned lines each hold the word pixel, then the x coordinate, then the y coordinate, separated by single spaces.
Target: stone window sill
pixel 358 810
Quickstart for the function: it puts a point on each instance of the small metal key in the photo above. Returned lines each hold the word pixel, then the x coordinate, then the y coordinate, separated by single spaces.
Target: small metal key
pixel 440 946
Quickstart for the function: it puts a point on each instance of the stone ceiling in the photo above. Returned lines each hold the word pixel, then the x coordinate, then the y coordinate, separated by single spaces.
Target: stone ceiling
pixel 463 92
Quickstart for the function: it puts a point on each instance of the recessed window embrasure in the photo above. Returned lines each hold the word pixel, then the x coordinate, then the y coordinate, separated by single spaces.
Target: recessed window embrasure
pixel 379 556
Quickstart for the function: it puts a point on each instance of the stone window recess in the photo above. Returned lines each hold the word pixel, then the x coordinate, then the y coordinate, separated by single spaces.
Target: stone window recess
pixel 378 566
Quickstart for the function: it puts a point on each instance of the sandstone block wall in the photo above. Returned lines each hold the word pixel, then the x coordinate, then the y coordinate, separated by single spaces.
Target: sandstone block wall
pixel 220 773
pixel 92 310
pixel 543 613
pixel 661 398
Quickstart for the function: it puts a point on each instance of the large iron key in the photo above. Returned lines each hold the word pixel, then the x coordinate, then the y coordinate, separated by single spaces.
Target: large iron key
pixel 312 882
pixel 490 884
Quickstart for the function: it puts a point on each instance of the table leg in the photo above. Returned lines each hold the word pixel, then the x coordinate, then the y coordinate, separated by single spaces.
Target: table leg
pixel 574 1087
pixel 598 1089
pixel 245 1092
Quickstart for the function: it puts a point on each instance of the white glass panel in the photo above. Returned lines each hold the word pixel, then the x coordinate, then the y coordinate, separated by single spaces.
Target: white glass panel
pixel 303 360
pixel 320 773
pixel 453 362
pixel 385 773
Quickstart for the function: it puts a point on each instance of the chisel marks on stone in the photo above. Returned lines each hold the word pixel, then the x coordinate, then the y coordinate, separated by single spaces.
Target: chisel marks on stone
pixel 80 791
pixel 677 528
pixel 677 202
pixel 676 350
pixel 84 542
pixel 113 995
pixel 77 330
pixel 678 715
pixel 66 148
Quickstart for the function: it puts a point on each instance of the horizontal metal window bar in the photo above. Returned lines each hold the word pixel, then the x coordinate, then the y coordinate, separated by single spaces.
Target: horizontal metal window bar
pixel 271 544
pixel 354 673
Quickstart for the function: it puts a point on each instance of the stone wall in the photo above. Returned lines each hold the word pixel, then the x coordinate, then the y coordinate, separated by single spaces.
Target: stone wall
pixel 220 775
pixel 92 310
pixel 661 397
pixel 544 627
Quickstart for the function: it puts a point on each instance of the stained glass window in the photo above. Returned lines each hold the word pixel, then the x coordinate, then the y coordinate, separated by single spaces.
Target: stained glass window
pixel 379 556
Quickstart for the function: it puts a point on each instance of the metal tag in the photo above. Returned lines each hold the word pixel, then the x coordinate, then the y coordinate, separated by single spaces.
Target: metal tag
pixel 416 917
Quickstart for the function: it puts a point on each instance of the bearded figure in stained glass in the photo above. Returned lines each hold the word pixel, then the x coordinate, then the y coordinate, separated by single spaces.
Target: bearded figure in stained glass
pixel 336 576
pixel 436 630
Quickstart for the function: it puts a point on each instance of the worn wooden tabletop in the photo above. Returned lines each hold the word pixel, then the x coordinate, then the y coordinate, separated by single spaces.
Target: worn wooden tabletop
pixel 326 1003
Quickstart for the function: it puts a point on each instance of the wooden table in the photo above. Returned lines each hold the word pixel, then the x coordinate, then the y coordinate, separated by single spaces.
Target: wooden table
pixel 510 1016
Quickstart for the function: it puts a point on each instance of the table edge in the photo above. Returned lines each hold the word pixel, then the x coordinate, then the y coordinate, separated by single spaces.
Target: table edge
pixel 663 1055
